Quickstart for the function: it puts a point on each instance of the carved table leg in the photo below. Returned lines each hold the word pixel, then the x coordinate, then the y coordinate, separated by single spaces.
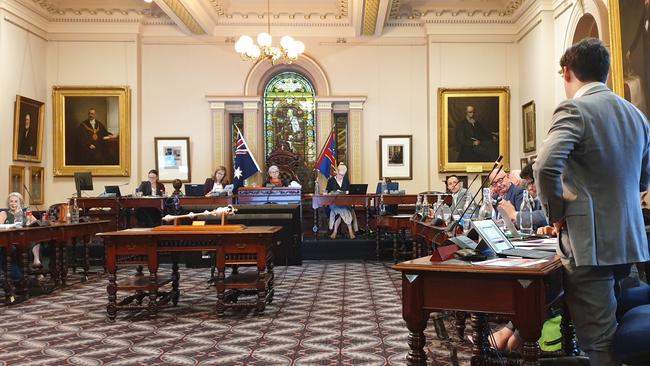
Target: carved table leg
pixel 86 246
pixel 175 280
pixel 269 270
pixel 221 291
pixel 378 240
pixel 111 289
pixel 54 262
pixel 24 281
pixel 10 290
pixel 569 341
pixel 479 324
pixel 152 306
pixel 530 353
pixel 63 267
pixel 461 317
pixel 417 341
pixel 261 291
pixel 395 249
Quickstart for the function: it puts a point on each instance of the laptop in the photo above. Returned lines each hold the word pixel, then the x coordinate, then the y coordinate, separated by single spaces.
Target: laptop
pixel 516 234
pixel 499 243
pixel 390 186
pixel 195 190
pixel 113 190
pixel 358 189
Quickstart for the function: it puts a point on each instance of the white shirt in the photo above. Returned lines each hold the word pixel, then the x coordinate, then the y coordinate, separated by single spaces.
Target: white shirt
pixel 217 187
pixel 587 87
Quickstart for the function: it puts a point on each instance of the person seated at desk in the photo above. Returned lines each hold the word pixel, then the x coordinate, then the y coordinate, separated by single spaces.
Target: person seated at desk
pixel 218 182
pixel 340 183
pixel 539 216
pixel 273 179
pixel 15 212
pixel 457 191
pixel 150 217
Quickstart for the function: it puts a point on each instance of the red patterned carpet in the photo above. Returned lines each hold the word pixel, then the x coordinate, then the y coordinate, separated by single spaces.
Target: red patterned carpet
pixel 323 313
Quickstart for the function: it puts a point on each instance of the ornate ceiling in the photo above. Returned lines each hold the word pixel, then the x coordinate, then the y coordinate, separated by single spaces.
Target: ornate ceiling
pixel 230 18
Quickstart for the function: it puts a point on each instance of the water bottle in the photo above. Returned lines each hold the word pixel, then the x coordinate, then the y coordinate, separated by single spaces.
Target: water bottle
pixel 382 206
pixel 74 212
pixel 18 217
pixel 384 187
pixel 526 215
pixel 425 208
pixel 418 205
pixel 445 212
pixel 316 186
pixel 468 212
pixel 486 212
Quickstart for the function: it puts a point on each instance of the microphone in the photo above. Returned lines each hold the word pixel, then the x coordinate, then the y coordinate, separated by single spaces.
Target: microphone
pixel 29 195
pixel 498 164
pixel 269 196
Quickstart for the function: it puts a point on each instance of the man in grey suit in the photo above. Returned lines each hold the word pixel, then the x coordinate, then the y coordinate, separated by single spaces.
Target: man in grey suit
pixel 590 171
pixel 458 192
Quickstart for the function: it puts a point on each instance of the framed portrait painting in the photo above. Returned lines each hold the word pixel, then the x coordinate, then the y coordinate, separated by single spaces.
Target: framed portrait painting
pixel 28 129
pixel 173 158
pixel 36 187
pixel 529 129
pixel 396 157
pixel 473 125
pixel 17 179
pixel 92 130
pixel 629 26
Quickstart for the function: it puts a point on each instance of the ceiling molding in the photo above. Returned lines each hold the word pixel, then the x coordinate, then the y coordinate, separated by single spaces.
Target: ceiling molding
pixel 370 13
pixel 221 10
pixel 181 14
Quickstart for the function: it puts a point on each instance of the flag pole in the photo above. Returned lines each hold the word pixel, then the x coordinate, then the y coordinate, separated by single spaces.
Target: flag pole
pixel 250 152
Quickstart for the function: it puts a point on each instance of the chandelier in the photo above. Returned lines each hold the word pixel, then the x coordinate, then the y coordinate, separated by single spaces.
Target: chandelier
pixel 288 51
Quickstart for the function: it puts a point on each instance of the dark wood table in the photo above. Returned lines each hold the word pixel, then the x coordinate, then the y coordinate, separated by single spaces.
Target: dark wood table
pixel 395 225
pixel 322 200
pixel 521 293
pixel 61 235
pixel 251 246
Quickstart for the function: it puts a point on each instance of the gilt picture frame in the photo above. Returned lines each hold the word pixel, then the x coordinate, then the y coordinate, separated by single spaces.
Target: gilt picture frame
pixel 36 185
pixel 529 126
pixel 92 130
pixel 473 127
pixel 629 29
pixel 17 179
pixel 29 115
pixel 173 159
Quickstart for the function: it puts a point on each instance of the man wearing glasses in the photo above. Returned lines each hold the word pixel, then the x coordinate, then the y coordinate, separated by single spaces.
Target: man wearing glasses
pixel 589 172
pixel 504 191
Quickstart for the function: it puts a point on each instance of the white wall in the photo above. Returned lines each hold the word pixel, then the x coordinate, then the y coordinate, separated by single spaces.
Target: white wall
pixel 22 72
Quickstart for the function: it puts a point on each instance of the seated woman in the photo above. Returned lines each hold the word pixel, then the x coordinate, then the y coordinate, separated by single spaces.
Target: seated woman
pixel 16 209
pixel 150 217
pixel 273 179
pixel 218 182
pixel 341 183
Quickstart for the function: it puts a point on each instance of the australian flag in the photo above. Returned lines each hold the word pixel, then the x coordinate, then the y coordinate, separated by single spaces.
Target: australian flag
pixel 245 164
pixel 327 160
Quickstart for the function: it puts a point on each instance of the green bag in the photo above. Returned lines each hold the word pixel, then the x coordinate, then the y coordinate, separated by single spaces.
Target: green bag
pixel 551 339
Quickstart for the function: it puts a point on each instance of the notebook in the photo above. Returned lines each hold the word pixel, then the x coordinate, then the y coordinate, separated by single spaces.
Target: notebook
pixel 113 190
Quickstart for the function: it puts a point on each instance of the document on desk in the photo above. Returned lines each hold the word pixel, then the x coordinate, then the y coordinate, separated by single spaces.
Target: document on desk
pixel 511 262
pixel 546 245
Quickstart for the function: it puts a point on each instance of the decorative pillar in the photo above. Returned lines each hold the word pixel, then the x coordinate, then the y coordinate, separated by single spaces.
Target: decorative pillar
pixel 253 134
pixel 355 167
pixel 219 137
pixel 324 123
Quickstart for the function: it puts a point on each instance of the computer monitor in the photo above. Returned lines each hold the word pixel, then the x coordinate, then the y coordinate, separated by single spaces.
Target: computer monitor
pixel 83 181
pixel 113 190
pixel 390 187
pixel 358 188
pixel 194 190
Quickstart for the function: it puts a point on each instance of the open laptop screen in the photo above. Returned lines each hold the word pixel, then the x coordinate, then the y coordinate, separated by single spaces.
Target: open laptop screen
pixel 493 236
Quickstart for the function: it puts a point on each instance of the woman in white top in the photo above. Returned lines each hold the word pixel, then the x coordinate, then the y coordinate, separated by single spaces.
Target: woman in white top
pixel 339 183
pixel 218 182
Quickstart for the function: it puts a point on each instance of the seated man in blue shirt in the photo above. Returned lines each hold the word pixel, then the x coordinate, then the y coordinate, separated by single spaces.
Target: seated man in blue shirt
pixel 539 216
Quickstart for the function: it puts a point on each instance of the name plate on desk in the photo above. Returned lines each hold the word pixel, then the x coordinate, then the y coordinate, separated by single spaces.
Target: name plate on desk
pixel 263 195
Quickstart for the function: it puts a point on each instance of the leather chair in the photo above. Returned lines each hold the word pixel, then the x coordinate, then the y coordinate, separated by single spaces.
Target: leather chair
pixel 631 344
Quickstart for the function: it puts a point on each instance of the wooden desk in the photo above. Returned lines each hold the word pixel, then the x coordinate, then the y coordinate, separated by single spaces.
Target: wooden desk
pixel 205 203
pixel 62 236
pixel 394 224
pixel 250 246
pixel 321 200
pixel 519 292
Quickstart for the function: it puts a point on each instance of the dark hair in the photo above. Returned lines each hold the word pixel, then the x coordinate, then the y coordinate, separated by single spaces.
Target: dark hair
pixel 452 176
pixel 154 171
pixel 527 172
pixel 588 59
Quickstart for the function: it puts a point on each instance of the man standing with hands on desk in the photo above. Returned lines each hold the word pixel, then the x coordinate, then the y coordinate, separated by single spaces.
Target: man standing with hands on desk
pixel 592 166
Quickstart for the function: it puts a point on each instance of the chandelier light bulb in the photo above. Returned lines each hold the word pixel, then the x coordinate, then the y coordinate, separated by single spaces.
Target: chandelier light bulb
pixel 264 39
pixel 240 47
pixel 299 47
pixel 292 54
pixel 286 42
pixel 253 51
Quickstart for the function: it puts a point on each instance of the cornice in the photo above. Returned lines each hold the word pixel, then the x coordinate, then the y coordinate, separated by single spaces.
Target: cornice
pixel 220 10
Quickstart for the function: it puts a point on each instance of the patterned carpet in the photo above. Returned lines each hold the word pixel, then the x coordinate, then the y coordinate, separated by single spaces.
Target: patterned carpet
pixel 323 313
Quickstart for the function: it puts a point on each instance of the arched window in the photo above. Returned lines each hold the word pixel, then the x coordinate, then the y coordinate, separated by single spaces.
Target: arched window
pixel 290 127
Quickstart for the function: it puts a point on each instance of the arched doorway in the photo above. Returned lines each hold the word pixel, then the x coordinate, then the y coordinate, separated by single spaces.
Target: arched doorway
pixel 586 27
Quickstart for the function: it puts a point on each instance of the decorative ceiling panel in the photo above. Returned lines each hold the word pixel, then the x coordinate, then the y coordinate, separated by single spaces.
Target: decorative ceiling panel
pixel 423 9
pixel 119 9
pixel 314 9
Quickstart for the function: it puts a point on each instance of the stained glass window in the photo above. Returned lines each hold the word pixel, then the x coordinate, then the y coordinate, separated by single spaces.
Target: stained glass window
pixel 236 121
pixel 290 124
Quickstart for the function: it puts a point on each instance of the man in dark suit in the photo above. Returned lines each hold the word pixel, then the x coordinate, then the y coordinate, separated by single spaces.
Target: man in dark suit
pixel 92 135
pixel 27 139
pixel 474 141
pixel 594 162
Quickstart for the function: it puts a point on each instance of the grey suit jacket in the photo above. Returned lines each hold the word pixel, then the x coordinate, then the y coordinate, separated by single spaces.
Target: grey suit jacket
pixel 459 199
pixel 592 166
